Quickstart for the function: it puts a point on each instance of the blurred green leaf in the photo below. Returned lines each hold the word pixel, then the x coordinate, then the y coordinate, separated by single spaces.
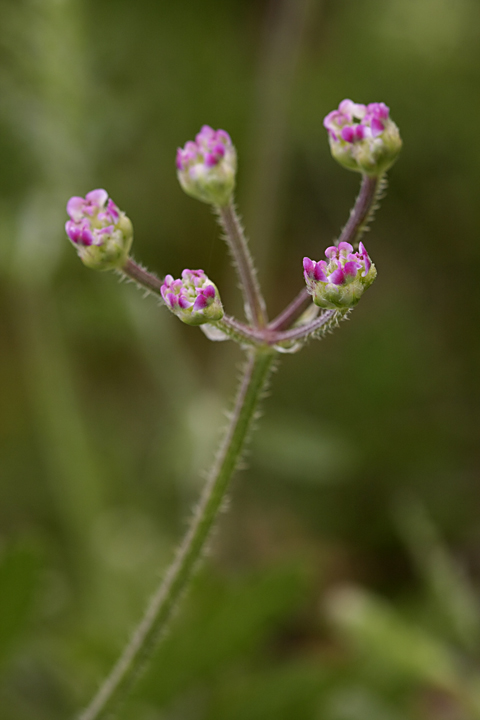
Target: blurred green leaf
pixel 383 636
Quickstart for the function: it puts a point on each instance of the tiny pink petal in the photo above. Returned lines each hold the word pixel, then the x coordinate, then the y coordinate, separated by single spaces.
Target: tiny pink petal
pixel 224 137
pixel 97 197
pixel 309 266
pixel 348 134
pixel 211 160
pixel 350 269
pixel 360 131
pixel 171 299
pixel 75 208
pixel 345 247
pixel 206 133
pixel 377 127
pixel 86 237
pixel 378 110
pixel 73 231
pixel 354 110
pixel 337 277
pixel 200 303
pixel 208 291
pixel 320 271
pixel 183 302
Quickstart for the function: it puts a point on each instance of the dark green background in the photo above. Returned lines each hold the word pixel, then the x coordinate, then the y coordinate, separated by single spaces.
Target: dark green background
pixel 365 468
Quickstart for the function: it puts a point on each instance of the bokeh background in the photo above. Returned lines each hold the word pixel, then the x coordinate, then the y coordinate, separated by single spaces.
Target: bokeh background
pixel 342 582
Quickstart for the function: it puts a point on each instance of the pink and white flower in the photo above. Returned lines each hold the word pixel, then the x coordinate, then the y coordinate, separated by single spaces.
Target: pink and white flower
pixel 101 232
pixel 193 298
pixel 206 167
pixel 340 281
pixel 363 137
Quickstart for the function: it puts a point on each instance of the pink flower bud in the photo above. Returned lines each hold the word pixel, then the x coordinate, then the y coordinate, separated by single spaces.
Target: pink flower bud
pixel 194 298
pixel 101 233
pixel 206 168
pixel 363 137
pixel 342 281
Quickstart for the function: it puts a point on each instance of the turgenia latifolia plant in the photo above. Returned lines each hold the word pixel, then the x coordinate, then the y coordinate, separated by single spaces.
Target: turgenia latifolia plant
pixel 362 138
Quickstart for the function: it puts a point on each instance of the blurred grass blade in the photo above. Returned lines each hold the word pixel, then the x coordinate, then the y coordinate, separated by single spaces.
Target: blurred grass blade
pixel 387 639
pixel 448 585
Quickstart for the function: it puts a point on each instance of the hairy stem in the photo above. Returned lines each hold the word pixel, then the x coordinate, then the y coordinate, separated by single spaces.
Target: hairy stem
pixel 363 210
pixel 142 277
pixel 266 337
pixel 304 331
pixel 241 333
pixel 361 214
pixel 165 599
pixel 292 312
pixel 237 242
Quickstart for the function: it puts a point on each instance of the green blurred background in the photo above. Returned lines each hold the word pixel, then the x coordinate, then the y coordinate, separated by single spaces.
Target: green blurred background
pixel 342 582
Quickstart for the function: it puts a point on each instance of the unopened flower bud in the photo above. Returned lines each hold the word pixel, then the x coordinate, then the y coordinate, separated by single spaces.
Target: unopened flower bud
pixel 101 233
pixel 194 298
pixel 339 282
pixel 363 137
pixel 206 168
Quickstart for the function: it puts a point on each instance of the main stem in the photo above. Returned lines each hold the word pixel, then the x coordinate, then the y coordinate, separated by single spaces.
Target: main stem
pixel 237 242
pixel 163 603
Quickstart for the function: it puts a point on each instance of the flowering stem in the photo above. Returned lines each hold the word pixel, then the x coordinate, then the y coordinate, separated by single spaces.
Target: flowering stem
pixel 142 277
pixel 327 321
pixel 365 205
pixel 241 333
pixel 291 313
pixel 363 210
pixel 237 242
pixel 266 337
pixel 165 599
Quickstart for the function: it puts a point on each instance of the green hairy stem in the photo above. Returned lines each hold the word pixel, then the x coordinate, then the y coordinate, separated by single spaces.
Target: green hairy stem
pixel 165 599
pixel 235 238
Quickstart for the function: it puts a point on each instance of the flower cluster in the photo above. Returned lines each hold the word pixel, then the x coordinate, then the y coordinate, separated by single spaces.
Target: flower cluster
pixel 101 233
pixel 363 137
pixel 194 298
pixel 340 282
pixel 206 167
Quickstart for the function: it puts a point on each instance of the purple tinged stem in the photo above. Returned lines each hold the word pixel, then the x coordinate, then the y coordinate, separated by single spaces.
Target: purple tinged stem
pixel 359 217
pixel 361 210
pixel 303 331
pixel 253 336
pixel 142 277
pixel 270 337
pixel 292 312
pixel 237 242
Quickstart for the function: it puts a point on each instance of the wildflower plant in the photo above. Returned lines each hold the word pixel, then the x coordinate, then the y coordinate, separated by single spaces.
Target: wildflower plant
pixel 362 138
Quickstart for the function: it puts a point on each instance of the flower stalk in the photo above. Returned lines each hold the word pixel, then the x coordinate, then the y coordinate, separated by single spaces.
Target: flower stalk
pixel 371 189
pixel 255 309
pixel 142 277
pixel 163 603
